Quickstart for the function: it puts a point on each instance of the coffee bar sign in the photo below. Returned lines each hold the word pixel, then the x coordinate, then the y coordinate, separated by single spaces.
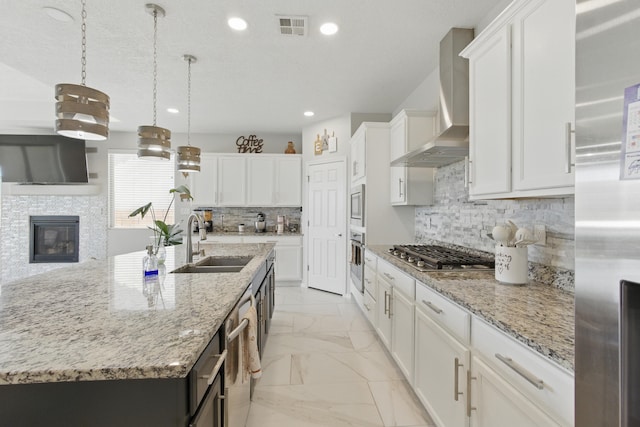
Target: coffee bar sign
pixel 249 145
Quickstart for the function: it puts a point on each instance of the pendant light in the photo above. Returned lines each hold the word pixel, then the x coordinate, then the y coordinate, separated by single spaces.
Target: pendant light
pixel 154 142
pixel 82 112
pixel 188 155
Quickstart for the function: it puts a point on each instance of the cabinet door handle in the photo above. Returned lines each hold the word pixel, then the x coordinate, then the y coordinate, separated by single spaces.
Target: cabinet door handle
pixel 536 382
pixel 432 306
pixel 386 306
pixel 388 276
pixel 400 187
pixel 366 306
pixel 216 368
pixel 456 365
pixel 469 407
pixel 567 141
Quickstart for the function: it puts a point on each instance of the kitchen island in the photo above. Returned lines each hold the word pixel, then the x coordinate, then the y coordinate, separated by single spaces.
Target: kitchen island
pixel 96 324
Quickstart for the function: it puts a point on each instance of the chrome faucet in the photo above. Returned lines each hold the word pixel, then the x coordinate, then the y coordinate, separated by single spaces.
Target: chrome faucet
pixel 203 235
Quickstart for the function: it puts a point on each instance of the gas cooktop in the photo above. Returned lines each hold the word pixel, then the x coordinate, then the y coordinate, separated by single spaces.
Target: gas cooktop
pixel 433 257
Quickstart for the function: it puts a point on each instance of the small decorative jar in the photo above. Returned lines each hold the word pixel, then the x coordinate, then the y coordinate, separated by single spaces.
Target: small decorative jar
pixel 290 148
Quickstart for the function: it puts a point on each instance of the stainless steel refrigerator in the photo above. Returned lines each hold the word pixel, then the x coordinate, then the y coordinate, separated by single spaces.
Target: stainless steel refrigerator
pixel 607 213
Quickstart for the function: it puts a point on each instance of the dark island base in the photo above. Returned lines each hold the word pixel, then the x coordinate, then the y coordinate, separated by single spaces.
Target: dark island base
pixel 149 402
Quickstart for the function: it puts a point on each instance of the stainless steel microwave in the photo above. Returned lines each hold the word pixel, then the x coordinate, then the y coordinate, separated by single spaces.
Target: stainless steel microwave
pixel 357 206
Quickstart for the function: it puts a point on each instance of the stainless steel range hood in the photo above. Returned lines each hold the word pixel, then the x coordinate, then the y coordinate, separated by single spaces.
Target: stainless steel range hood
pixel 452 144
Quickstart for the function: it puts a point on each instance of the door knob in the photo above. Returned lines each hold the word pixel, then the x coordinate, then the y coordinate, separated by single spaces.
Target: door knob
pixel 339 235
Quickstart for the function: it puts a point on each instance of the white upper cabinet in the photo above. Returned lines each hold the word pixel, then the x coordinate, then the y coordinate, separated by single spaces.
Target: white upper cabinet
pixel 288 181
pixel 204 184
pixel 358 156
pixel 490 119
pixel 544 73
pixel 522 101
pixel 248 180
pixel 410 129
pixel 260 180
pixel 232 181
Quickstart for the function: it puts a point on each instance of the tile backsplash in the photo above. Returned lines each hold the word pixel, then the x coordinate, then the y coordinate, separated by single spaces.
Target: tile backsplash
pixel 454 219
pixel 229 218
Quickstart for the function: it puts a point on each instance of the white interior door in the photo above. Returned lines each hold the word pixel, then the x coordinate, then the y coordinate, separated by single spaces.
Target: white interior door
pixel 327 227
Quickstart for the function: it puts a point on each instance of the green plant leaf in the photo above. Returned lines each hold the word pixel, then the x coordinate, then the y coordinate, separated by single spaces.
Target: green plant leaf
pixel 142 210
pixel 182 190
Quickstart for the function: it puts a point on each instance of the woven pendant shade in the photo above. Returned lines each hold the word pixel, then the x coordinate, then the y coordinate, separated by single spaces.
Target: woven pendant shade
pixel 188 155
pixel 82 112
pixel 154 143
pixel 188 158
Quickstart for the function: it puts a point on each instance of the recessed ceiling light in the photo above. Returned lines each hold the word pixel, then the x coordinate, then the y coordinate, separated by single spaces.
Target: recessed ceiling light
pixel 173 110
pixel 237 24
pixel 309 113
pixel 57 14
pixel 329 28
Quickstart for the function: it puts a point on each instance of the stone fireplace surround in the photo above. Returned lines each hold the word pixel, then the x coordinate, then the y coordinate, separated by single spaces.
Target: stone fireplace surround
pixel 15 211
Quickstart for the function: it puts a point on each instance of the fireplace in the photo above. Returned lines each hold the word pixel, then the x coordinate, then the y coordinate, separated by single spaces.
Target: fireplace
pixel 54 239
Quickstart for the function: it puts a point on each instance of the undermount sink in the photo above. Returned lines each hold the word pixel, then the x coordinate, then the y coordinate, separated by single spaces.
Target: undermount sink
pixel 224 261
pixel 215 264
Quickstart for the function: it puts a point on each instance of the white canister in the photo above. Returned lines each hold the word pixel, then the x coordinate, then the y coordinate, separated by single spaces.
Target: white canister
pixel 512 265
pixel 280 228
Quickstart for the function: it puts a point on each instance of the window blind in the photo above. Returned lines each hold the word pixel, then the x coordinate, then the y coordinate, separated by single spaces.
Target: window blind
pixel 133 183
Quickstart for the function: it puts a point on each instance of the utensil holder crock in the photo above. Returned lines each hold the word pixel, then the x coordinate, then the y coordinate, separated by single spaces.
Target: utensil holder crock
pixel 512 265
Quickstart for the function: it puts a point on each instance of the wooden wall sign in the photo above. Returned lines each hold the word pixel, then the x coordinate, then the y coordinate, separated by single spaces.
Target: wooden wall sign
pixel 249 145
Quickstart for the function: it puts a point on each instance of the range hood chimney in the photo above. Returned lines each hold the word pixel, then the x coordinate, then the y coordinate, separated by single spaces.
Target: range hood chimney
pixel 452 144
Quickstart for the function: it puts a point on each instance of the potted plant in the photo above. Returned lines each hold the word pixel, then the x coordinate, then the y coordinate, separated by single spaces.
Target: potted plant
pixel 164 234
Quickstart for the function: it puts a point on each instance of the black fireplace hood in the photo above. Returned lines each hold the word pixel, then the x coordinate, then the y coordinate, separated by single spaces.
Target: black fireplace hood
pixel 42 159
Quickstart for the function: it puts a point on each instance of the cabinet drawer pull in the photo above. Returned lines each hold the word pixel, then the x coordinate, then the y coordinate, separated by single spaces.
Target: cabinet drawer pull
pixel 432 306
pixel 537 383
pixel 366 306
pixel 456 365
pixel 567 141
pixel 388 276
pixel 216 368
pixel 469 407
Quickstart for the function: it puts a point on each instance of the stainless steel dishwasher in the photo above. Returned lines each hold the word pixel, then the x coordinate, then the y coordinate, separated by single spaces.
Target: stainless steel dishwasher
pixel 237 398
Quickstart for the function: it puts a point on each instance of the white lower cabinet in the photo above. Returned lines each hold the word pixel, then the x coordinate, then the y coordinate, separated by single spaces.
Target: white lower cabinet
pixel 383 312
pixel 402 310
pixel 465 371
pixel 288 263
pixel 369 304
pixel 440 372
pixel 495 403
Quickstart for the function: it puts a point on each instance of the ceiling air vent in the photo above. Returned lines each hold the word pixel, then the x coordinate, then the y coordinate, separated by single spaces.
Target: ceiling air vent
pixel 292 25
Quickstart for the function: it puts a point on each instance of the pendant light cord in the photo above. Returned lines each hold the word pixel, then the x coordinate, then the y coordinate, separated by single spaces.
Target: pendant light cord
pixel 189 104
pixel 155 64
pixel 84 43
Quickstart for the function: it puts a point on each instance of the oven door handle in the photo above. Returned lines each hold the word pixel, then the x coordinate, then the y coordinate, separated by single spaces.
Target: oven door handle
pixel 216 368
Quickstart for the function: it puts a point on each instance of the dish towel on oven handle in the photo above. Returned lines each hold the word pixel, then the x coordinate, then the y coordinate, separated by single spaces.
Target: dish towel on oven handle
pixel 252 367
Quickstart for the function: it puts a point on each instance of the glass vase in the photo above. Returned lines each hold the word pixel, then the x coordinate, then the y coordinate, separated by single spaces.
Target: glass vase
pixel 158 249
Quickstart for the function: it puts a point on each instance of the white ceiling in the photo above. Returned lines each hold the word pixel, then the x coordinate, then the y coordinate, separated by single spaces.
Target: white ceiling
pixel 257 80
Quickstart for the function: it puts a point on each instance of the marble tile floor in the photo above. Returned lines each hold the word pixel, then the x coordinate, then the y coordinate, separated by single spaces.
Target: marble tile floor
pixel 324 366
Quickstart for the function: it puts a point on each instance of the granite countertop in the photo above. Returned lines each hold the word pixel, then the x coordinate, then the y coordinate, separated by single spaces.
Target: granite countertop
pixel 540 316
pixel 95 320
pixel 250 232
